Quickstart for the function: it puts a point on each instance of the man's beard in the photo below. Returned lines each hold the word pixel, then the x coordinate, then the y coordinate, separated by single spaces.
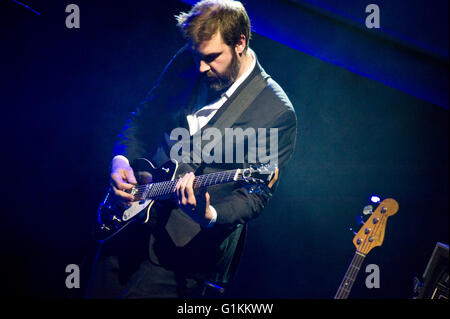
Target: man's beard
pixel 220 82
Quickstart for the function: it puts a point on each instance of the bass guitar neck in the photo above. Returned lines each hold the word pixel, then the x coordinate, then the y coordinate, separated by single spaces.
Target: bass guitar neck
pixel 350 276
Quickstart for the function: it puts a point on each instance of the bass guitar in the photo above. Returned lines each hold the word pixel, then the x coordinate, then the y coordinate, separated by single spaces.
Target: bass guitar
pixel 369 236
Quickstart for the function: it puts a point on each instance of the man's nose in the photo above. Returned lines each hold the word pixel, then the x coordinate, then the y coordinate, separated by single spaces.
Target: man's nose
pixel 204 67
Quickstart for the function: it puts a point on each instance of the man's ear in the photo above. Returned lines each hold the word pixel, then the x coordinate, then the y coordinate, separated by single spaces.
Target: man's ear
pixel 240 46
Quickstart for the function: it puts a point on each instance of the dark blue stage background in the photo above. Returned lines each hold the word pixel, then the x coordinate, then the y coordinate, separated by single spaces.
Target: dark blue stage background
pixel 373 118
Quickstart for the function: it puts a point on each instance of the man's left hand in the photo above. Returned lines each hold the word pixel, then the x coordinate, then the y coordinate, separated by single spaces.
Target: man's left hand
pixel 197 207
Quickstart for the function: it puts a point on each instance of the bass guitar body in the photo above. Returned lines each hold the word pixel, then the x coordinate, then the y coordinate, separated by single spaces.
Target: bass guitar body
pixel 113 217
pixel 159 184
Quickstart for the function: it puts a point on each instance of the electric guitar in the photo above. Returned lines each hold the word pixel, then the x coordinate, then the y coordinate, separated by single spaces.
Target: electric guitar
pixel 369 236
pixel 154 184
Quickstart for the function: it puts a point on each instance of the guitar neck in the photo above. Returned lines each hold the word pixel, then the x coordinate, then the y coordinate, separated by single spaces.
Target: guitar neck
pixel 350 276
pixel 162 189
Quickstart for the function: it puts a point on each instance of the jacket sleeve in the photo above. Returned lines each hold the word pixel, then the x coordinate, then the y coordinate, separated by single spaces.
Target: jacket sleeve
pixel 241 206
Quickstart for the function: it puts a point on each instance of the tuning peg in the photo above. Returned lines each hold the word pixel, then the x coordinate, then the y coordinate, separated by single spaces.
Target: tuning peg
pixel 367 210
pixel 351 229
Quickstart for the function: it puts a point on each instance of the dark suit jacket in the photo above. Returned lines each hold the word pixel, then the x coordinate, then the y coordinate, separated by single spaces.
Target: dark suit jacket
pixel 176 241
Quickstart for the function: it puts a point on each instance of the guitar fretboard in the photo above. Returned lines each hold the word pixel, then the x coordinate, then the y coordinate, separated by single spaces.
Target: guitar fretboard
pixel 162 189
pixel 350 276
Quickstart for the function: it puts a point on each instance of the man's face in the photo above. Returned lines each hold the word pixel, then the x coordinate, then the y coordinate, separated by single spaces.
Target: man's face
pixel 217 62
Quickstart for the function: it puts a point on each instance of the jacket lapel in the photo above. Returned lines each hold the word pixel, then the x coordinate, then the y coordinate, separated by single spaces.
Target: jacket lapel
pixel 224 107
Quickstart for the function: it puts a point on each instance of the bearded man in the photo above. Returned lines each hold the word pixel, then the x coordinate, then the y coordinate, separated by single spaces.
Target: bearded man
pixel 196 242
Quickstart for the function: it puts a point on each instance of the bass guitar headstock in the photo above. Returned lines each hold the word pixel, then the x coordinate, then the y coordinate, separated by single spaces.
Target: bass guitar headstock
pixel 372 232
pixel 262 176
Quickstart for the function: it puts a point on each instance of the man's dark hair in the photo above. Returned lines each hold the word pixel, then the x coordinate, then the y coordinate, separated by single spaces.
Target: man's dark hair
pixel 209 16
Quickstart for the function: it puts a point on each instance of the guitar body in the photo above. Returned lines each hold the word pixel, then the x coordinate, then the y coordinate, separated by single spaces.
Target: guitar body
pixel 113 217
pixel 159 184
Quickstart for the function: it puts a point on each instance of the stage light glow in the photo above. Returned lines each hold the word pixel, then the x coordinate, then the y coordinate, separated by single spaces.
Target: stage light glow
pixel 375 199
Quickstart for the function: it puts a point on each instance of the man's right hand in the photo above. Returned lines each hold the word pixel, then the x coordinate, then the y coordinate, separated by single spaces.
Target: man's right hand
pixel 122 179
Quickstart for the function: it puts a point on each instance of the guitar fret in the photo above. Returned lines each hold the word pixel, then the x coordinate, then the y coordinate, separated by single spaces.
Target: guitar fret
pixel 146 191
pixel 216 179
pixel 158 189
pixel 154 190
pixel 161 189
pixel 200 182
pixel 173 184
pixel 151 191
pixel 225 177
pixel 210 179
pixel 350 276
pixel 168 188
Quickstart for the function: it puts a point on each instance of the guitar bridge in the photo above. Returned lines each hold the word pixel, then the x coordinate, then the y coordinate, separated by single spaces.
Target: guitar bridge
pixel 134 191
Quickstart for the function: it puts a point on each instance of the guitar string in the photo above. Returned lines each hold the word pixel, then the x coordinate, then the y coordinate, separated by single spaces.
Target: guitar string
pixel 340 293
pixel 203 180
pixel 351 276
pixel 365 241
pixel 160 188
pixel 201 177
pixel 142 188
pixel 354 273
pixel 207 179
pixel 351 273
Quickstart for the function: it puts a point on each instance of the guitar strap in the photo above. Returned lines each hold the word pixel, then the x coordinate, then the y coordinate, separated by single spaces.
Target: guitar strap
pixel 240 103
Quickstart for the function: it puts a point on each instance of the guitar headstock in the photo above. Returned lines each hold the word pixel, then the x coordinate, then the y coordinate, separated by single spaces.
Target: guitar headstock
pixel 372 232
pixel 259 177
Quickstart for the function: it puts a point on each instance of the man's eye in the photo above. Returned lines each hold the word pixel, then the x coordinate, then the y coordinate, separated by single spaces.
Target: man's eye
pixel 210 58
